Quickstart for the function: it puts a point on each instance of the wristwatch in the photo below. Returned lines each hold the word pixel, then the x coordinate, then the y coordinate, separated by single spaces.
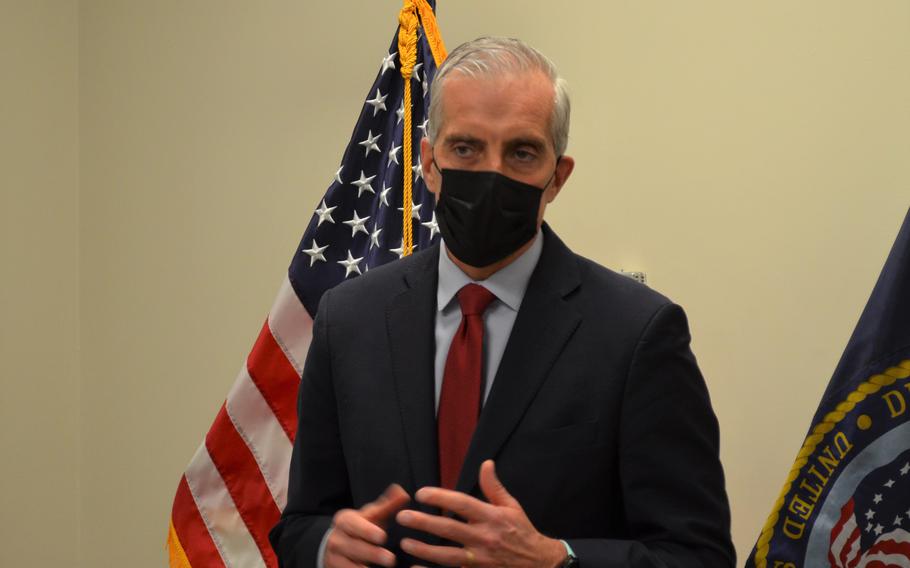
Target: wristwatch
pixel 571 560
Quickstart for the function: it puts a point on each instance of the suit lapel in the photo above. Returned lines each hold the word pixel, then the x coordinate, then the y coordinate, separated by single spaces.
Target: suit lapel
pixel 544 324
pixel 410 322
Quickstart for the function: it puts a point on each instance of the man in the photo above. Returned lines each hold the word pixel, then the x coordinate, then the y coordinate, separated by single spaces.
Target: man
pixel 580 433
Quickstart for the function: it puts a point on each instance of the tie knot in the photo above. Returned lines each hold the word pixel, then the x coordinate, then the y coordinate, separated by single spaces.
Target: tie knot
pixel 474 299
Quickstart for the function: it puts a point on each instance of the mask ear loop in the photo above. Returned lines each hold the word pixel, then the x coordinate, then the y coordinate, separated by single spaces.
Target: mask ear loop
pixel 546 185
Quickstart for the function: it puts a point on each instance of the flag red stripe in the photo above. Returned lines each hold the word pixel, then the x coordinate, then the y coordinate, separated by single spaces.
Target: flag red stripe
pixel 890 547
pixel 901 561
pixel 191 530
pixel 244 481
pixel 275 378
pixel 847 521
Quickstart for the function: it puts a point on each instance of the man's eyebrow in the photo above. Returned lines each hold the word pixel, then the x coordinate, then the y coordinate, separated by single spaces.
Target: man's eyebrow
pixel 534 142
pixel 462 139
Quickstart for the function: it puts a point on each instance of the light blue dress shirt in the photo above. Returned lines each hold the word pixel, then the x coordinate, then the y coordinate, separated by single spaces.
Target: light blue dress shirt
pixel 508 285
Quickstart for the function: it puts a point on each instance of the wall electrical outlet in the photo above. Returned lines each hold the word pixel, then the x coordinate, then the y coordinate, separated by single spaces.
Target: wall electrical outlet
pixel 639 277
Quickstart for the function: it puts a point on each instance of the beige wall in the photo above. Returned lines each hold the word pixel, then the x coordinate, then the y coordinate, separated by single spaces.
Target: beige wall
pixel 39 284
pixel 751 157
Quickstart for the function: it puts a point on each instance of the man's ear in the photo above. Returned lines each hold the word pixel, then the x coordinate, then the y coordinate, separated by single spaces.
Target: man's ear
pixel 563 170
pixel 430 175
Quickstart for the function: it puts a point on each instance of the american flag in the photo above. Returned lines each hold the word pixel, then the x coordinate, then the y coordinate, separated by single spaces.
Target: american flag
pixel 874 526
pixel 235 486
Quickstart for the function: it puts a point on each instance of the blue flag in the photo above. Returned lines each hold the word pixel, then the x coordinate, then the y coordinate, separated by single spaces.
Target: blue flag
pixel 358 224
pixel 846 502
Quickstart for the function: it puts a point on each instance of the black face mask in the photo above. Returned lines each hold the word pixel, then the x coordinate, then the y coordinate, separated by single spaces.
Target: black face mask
pixel 486 216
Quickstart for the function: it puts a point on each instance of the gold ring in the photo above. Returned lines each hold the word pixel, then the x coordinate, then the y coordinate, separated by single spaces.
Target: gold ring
pixel 470 557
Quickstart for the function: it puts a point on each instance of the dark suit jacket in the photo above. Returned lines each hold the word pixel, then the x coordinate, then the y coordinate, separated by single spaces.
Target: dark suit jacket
pixel 598 418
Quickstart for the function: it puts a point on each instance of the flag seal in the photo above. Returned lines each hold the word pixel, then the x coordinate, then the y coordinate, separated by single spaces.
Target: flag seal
pixel 863 436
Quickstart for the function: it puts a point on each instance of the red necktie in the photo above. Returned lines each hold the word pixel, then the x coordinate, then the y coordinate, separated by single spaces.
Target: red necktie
pixel 459 402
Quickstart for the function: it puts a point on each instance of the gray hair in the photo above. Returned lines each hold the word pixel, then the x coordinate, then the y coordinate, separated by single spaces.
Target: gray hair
pixel 490 56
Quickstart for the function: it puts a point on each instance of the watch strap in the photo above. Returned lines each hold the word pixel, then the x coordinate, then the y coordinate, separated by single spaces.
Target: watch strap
pixel 571 560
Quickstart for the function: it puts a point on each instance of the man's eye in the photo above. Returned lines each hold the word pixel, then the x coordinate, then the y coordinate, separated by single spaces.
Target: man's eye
pixel 525 155
pixel 462 151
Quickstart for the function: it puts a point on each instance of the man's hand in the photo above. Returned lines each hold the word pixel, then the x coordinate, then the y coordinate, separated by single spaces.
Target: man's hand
pixel 357 534
pixel 495 534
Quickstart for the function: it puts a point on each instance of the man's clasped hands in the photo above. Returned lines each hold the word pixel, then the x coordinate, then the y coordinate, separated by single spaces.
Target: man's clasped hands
pixel 494 533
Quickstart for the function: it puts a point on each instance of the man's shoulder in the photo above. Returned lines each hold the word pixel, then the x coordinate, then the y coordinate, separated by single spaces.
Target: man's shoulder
pixel 616 309
pixel 593 284
pixel 613 303
pixel 615 287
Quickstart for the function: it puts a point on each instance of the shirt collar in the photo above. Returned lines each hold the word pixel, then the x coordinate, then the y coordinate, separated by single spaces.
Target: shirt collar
pixel 508 284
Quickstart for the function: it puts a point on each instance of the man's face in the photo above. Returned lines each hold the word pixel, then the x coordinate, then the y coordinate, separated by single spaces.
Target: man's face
pixel 498 124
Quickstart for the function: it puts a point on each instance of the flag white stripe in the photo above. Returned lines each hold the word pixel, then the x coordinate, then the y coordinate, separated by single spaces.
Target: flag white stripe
pixel 227 530
pixel 842 539
pixel 291 325
pixel 257 425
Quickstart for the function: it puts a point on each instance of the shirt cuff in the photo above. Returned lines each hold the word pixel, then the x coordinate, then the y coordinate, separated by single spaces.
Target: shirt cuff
pixel 320 555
